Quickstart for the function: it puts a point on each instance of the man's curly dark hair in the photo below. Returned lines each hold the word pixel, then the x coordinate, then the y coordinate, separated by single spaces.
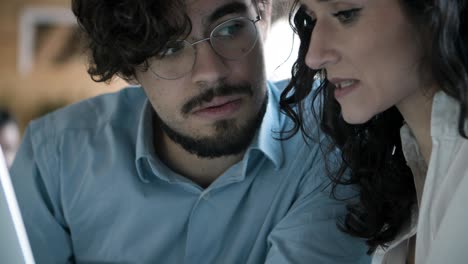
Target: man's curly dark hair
pixel 387 192
pixel 122 34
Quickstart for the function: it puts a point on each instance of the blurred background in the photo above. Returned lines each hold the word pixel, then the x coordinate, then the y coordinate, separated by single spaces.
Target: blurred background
pixel 41 62
pixel 42 65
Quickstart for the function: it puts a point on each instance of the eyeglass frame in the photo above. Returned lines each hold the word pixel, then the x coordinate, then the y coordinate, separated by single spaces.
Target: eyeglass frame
pixel 192 44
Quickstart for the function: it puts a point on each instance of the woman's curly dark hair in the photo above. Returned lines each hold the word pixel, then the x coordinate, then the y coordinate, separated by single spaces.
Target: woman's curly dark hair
pixel 123 34
pixel 371 152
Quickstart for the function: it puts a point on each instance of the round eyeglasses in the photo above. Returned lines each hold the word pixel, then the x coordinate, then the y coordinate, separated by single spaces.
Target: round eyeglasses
pixel 231 40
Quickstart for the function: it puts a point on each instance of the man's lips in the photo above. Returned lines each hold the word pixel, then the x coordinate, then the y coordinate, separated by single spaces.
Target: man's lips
pixel 217 102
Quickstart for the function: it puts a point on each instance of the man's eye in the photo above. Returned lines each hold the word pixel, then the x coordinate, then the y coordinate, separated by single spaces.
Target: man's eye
pixel 347 16
pixel 172 49
pixel 231 29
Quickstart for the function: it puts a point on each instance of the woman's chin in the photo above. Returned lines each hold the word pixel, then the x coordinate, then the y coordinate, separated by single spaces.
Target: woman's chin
pixel 356 118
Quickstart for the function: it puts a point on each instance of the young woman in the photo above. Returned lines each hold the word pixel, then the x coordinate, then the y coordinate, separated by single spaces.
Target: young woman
pixel 391 91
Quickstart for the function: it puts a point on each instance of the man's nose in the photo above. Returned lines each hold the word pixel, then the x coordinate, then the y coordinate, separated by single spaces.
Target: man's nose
pixel 209 66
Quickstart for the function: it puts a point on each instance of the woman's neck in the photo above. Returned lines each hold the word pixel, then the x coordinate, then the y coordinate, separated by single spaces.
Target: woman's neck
pixel 416 111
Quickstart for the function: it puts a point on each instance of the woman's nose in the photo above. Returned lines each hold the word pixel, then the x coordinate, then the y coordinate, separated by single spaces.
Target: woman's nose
pixel 321 52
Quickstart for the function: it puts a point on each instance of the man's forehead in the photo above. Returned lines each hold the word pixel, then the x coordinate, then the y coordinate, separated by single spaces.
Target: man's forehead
pixel 210 10
pixel 207 3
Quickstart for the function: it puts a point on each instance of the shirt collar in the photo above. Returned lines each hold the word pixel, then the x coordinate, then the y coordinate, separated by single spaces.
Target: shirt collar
pixel 444 117
pixel 265 140
pixel 444 123
pixel 144 143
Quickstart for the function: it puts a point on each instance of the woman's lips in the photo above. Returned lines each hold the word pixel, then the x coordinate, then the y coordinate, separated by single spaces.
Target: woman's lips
pixel 344 86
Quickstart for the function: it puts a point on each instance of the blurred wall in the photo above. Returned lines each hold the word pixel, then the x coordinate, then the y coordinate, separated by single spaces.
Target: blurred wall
pixel 53 81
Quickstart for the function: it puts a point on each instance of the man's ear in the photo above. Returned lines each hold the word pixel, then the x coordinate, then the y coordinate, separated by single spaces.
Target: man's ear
pixel 137 70
pixel 133 81
pixel 265 8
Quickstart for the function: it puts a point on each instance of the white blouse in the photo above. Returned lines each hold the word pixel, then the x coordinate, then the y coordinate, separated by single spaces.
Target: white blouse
pixel 442 224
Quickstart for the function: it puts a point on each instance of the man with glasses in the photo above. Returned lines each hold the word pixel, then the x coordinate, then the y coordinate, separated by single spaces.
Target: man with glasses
pixel 187 166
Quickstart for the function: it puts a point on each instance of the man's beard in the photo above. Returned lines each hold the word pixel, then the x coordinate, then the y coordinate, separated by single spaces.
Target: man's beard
pixel 230 138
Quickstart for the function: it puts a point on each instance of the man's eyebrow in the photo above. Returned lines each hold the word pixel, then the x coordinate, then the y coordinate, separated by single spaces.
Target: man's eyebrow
pixel 234 7
pixel 324 1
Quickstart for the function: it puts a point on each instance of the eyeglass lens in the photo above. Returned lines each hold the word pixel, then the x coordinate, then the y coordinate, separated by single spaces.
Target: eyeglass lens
pixel 231 40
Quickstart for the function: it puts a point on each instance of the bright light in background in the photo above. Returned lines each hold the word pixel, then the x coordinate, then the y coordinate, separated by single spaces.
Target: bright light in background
pixel 281 48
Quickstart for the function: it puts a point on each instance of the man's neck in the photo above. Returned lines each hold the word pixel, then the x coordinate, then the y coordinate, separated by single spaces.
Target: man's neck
pixel 202 171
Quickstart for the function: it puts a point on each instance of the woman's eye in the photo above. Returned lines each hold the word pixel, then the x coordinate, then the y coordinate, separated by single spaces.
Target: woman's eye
pixel 347 16
pixel 308 19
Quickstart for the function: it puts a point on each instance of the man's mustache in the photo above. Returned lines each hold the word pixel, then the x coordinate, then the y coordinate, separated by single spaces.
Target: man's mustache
pixel 222 90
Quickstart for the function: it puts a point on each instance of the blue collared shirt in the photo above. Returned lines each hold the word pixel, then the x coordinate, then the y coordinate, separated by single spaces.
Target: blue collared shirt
pixel 92 189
